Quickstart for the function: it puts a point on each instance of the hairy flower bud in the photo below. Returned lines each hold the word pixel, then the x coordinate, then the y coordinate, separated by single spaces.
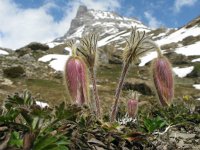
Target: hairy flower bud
pixel 76 80
pixel 132 107
pixel 163 80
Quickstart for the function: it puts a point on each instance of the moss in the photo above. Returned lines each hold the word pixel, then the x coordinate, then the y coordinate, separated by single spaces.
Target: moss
pixel 14 72
pixel 37 46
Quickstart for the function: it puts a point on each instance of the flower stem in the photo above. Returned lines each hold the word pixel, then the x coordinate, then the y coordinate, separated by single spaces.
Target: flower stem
pixel 118 91
pixel 158 50
pixel 95 92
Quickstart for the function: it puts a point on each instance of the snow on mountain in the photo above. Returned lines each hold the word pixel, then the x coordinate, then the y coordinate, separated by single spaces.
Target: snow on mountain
pixel 108 25
pixel 56 61
pixel 179 35
pixel 53 44
pixel 192 29
pixel 182 72
pixel 2 52
pixel 190 50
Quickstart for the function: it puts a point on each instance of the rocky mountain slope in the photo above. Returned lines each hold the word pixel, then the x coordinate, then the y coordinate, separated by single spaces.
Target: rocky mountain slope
pixel 106 24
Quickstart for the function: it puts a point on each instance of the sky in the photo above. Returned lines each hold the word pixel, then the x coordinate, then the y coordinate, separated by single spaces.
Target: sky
pixel 25 21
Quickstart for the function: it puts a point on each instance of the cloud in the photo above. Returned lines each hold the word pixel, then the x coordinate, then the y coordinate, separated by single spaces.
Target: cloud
pixel 152 21
pixel 178 4
pixel 20 26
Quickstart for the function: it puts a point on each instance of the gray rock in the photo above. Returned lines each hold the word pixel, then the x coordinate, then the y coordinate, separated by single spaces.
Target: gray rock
pixel 182 135
pixel 27 57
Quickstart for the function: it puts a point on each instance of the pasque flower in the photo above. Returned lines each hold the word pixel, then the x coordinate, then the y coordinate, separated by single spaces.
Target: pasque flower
pixel 88 50
pixel 75 74
pixel 163 80
pixel 132 108
pixel 136 46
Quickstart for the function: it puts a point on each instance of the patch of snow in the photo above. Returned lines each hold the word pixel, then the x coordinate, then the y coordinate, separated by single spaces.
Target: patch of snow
pixel 42 104
pixel 78 33
pixel 189 50
pixel 196 86
pixel 2 52
pixel 179 35
pixel 68 49
pixel 105 41
pixel 96 23
pixel 159 35
pixel 148 57
pixel 195 60
pixel 182 72
pixel 98 14
pixel 108 24
pixel 53 44
pixel 57 61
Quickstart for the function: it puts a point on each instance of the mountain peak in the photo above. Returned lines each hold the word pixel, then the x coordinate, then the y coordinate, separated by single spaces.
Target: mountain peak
pixel 104 23
pixel 81 11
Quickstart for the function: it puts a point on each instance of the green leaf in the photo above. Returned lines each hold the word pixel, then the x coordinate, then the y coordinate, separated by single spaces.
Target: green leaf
pixel 35 123
pixel 44 141
pixel 154 123
pixel 15 140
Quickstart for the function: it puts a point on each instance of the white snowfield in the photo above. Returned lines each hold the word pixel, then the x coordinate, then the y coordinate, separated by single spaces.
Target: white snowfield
pixel 196 86
pixel 57 61
pixel 179 35
pixel 2 52
pixel 190 50
pixel 182 72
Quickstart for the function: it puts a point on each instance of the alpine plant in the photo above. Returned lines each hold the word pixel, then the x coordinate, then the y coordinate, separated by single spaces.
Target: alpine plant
pixel 88 50
pixel 75 74
pixel 136 46
pixel 132 106
pixel 163 80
